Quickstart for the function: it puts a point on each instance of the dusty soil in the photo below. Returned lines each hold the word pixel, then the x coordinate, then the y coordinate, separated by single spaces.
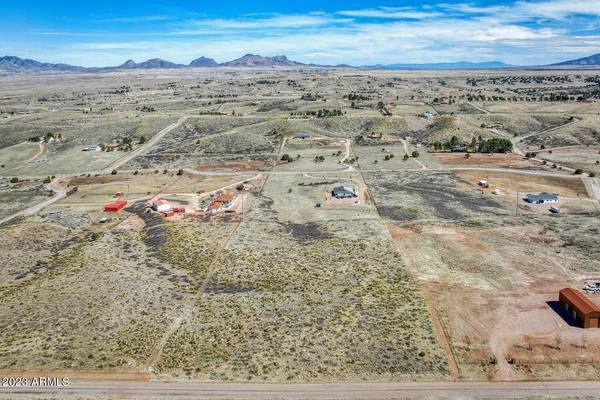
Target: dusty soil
pixel 249 165
pixel 509 182
pixel 498 307
pixel 488 160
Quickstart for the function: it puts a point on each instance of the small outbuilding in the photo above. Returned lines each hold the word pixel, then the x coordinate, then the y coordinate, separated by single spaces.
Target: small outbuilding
pixel 542 198
pixel 115 207
pixel 580 308
pixel 302 135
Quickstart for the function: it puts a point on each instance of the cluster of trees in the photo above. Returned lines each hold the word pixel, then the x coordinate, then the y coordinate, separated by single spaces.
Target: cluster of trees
pixel 266 82
pixel 122 144
pixel 216 96
pixel 358 97
pixel 287 158
pixel 324 113
pixel 46 138
pixel 514 80
pixel 122 90
pixel 451 100
pixel 549 97
pixel 494 145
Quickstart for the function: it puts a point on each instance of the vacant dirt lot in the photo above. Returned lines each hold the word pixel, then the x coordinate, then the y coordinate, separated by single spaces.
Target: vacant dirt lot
pixel 488 161
pixel 508 182
pixel 295 300
pixel 495 290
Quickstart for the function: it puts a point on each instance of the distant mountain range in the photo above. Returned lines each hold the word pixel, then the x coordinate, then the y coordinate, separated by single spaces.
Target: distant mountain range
pixel 253 60
pixel 456 65
pixel 14 64
pixel 585 61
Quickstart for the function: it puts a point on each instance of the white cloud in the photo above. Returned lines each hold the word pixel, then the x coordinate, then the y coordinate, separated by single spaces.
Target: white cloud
pixel 531 10
pixel 390 13
pixel 138 19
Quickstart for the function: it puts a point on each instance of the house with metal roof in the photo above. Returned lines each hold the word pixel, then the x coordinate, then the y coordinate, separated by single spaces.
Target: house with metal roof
pixel 343 192
pixel 542 198
pixel 580 308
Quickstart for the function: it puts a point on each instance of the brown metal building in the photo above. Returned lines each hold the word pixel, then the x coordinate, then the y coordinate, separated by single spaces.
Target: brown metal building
pixel 580 308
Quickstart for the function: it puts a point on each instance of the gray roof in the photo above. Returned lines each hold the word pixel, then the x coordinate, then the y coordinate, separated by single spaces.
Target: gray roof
pixel 542 197
pixel 343 189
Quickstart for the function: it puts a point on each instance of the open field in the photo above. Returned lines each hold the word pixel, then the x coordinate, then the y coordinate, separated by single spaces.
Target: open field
pixel 304 306
pixel 423 276
pixel 497 160
pixel 16 196
pixel 429 195
pixel 583 157
pixel 499 311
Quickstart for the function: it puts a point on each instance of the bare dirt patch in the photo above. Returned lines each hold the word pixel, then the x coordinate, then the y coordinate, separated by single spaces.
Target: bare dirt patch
pixel 495 289
pixel 510 183
pixel 498 160
pixel 248 165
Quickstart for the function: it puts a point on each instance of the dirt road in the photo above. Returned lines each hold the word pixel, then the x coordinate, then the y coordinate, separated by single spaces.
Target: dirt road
pixel 41 149
pixel 369 390
pixel 146 146
pixel 519 139
pixel 593 187
pixel 347 146
pixel 60 193
pixel 405 144
pixel 483 110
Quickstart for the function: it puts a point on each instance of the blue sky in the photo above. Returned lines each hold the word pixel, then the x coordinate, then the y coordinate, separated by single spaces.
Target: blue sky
pixel 100 33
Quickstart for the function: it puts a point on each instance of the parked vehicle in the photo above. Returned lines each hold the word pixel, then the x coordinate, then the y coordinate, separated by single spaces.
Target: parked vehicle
pixel 592 287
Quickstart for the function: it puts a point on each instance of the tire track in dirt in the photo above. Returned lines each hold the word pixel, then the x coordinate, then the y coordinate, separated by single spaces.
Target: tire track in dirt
pixel 187 311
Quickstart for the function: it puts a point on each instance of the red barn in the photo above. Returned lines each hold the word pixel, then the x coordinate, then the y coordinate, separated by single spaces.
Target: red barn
pixel 582 309
pixel 115 207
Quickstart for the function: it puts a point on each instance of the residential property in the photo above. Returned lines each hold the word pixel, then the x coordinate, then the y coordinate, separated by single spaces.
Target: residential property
pixel 160 206
pixel 542 198
pixel 484 184
pixel 343 192
pixel 115 206
pixel 459 148
pixel 302 135
pixel 580 308
pixel 221 202
pixel 224 199
pixel 94 147
pixel 426 115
